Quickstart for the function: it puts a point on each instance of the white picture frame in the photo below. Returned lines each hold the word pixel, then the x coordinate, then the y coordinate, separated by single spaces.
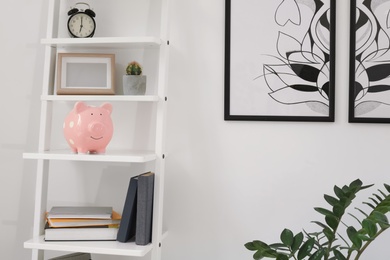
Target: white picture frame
pixel 85 74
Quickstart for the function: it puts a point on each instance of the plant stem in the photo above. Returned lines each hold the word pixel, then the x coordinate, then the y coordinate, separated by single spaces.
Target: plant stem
pixel 360 252
pixel 291 252
pixel 331 242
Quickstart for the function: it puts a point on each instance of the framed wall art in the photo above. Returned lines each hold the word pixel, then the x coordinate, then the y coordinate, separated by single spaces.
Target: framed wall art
pixel 369 95
pixel 85 74
pixel 280 60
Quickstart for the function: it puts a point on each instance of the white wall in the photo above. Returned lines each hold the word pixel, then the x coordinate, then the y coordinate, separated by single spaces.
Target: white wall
pixel 226 182
pixel 21 63
pixel 232 182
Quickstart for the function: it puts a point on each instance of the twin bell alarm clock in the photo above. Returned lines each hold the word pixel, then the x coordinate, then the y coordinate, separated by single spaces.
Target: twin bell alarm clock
pixel 81 22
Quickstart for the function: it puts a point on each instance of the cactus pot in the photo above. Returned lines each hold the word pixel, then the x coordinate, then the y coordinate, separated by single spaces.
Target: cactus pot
pixel 134 84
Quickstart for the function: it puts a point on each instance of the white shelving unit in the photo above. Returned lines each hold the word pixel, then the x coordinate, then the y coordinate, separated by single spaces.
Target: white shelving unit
pixel 100 98
pixel 108 42
pixel 135 156
pixel 46 153
pixel 100 247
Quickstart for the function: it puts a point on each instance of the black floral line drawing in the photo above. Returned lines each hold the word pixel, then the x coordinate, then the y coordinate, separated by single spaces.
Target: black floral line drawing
pixel 302 70
pixel 371 86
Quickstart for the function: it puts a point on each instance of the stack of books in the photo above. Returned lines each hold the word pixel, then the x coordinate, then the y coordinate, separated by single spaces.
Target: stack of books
pixel 81 223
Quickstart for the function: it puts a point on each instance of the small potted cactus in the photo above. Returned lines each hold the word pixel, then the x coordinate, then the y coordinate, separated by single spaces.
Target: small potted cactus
pixel 134 83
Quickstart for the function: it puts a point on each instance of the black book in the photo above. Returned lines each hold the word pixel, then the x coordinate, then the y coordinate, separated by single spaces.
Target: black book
pixel 127 225
pixel 143 234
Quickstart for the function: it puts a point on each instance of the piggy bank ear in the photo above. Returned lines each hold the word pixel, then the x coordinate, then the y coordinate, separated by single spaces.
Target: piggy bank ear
pixel 107 106
pixel 80 107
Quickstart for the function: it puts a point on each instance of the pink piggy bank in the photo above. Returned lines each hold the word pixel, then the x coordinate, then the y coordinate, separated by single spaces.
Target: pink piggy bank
pixel 88 128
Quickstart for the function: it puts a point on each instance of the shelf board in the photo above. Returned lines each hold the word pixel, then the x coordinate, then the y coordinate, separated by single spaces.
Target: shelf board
pixel 137 156
pixel 104 42
pixel 95 247
pixel 146 98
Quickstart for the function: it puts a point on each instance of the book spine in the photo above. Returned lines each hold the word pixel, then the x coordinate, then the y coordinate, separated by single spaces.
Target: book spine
pixel 145 192
pixel 127 225
pixel 81 234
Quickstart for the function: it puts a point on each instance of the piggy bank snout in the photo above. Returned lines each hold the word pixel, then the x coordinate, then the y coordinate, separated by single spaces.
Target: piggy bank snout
pixel 96 128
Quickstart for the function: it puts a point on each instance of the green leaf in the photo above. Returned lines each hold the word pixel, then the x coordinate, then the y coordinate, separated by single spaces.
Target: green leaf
pixel 250 246
pixel 338 255
pixel 369 204
pixel 332 222
pixel 383 209
pixel 383 194
pixel 258 255
pixel 339 192
pixel 256 245
pixel 298 239
pixel 380 218
pixel 306 248
pixel 358 220
pixel 364 237
pixel 282 257
pixel 345 189
pixel 287 237
pixel 324 211
pixel 378 197
pixel 366 187
pixel 387 187
pixel 331 200
pixel 370 227
pixel 361 211
pixel 345 202
pixel 375 201
pixel 338 210
pixel 329 234
pixel 386 203
pixel 353 236
pixel 356 184
pixel 320 224
pixel 318 254
pixel 278 246
pixel 345 241
pixel 268 253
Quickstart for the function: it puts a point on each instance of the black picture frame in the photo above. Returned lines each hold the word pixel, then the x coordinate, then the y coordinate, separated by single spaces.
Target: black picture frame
pixel 246 24
pixel 369 79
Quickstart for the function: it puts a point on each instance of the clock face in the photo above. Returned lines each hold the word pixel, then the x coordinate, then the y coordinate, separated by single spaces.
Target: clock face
pixel 81 25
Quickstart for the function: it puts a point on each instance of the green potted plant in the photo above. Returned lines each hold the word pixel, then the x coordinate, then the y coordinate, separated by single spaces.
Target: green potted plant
pixel 330 242
pixel 134 83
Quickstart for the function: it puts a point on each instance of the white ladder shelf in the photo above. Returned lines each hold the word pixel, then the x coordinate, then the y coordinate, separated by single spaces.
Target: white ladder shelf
pixel 45 154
